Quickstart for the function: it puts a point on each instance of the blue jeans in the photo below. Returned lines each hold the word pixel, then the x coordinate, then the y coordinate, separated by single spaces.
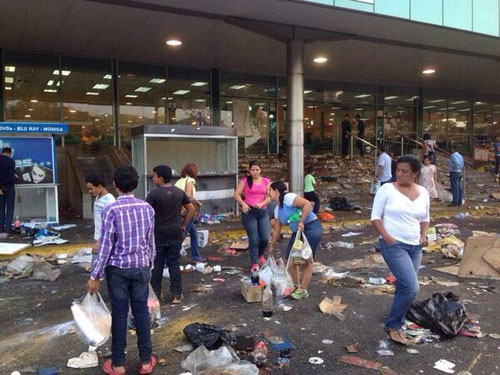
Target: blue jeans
pixel 7 201
pixel 168 253
pixel 256 223
pixel 403 261
pixel 456 187
pixel 193 235
pixel 129 285
pixel 313 232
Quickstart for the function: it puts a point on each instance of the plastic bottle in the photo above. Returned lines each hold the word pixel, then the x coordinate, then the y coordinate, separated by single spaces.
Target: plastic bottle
pixel 17 225
pixel 462 215
pixel 255 278
pixel 267 302
pixel 260 354
pixel 295 217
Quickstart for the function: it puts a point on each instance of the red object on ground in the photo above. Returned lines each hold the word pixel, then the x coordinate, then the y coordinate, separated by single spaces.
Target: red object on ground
pixel 214 258
pixel 325 216
pixel 218 279
pixel 390 279
pixel 360 362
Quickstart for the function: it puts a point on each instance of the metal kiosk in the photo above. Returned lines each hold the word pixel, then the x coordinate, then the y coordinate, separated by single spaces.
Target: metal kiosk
pixel 213 149
pixel 33 150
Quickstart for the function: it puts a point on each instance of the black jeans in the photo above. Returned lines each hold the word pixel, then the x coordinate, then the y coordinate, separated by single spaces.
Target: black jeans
pixel 169 253
pixel 129 285
pixel 313 197
pixel 360 146
pixel 497 164
pixel 345 144
pixel 7 208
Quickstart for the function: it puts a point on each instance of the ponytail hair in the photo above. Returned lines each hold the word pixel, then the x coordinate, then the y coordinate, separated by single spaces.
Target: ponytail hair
pixel 281 187
pixel 249 176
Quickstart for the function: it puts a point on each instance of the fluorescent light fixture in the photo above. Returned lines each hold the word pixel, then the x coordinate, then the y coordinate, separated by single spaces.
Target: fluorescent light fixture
pixel 91 93
pixel 9 79
pixel 128 103
pixel 164 98
pixel 10 68
pixel 200 100
pixel 142 89
pixel 480 103
pixel 107 76
pixel 129 121
pixel 27 116
pixel 361 96
pixel 34 101
pixel 181 92
pixel 72 110
pixel 428 71
pixel 30 109
pixel 237 87
pixel 63 72
pixel 100 86
pixel 391 97
pixel 429 107
pixel 50 83
pixel 199 84
pixel 49 90
pixel 463 110
pixel 153 111
pixel 459 102
pixel 229 102
pixel 157 80
pixel 307 92
pixel 174 42
pixel 170 98
pixel 320 60
pixel 437 101
pixel 131 96
pixel 96 119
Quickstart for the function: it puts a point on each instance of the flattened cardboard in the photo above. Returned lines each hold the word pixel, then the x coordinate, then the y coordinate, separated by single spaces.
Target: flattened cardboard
pixel 12 248
pixel 492 257
pixel 331 306
pixel 473 264
pixel 240 245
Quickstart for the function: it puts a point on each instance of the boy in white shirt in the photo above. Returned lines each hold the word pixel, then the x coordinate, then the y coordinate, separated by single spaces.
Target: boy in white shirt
pixel 96 186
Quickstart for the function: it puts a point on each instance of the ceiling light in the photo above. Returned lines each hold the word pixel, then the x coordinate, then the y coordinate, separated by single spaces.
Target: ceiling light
pixel 131 96
pixel 437 101
pixel 157 80
pixel 92 93
pixel 361 96
pixel 129 121
pixel 307 92
pixel 180 92
pixel 128 103
pixel 229 102
pixel 463 110
pixel 50 83
pixel 174 42
pixel 237 87
pixel 459 102
pixel 72 110
pixel 200 100
pixel 63 72
pixel 164 98
pixel 9 79
pixel 480 103
pixel 10 68
pixel 100 86
pixel 49 90
pixel 170 98
pixel 391 97
pixel 34 101
pixel 30 109
pixel 107 76
pixel 199 84
pixel 142 89
pixel 428 71
pixel 320 60
pixel 430 106
pixel 153 111
pixel 96 119
pixel 27 116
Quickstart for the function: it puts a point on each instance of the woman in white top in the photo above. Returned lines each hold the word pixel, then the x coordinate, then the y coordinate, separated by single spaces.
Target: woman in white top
pixel 400 214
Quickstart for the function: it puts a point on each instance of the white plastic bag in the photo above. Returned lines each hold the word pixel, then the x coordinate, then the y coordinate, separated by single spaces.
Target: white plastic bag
pixel 281 279
pixel 265 273
pixel 92 319
pixel 374 187
pixel 153 308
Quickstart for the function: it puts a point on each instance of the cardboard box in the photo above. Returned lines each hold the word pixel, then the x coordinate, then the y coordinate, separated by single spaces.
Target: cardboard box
pixel 202 239
pixel 251 293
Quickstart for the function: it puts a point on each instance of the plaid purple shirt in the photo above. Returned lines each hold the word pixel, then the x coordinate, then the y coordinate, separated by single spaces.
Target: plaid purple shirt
pixel 127 236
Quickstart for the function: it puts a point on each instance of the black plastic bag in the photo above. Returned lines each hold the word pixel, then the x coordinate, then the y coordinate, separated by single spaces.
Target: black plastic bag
pixel 442 314
pixel 340 204
pixel 212 337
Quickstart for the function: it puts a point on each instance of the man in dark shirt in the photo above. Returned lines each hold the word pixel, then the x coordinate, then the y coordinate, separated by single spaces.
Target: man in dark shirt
pixel 7 191
pixel 361 134
pixel 167 201
pixel 346 130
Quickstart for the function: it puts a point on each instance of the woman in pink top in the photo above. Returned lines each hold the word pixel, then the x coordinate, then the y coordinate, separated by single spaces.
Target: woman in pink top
pixel 252 194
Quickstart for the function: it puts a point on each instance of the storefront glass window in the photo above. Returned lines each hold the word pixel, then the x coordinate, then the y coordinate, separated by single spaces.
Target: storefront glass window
pixel 429 11
pixel 458 14
pixel 435 119
pixel 396 8
pixel 32 87
pixel 142 95
pixel 365 5
pixel 459 122
pixel 483 118
pixel 188 96
pixel 87 100
pixel 326 2
pixel 485 17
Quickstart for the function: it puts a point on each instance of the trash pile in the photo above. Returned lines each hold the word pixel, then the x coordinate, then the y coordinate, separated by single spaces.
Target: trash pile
pixel 31 266
pixel 443 238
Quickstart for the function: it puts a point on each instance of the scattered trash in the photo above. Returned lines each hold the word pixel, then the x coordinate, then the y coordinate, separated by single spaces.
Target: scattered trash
pixel 351 234
pixel 85 360
pixel 371 261
pixel 341 204
pixel 316 360
pixel 338 244
pixel 218 279
pixel 360 362
pixel 383 349
pixel 377 280
pixel 351 348
pixel 240 245
pixel 412 351
pixel 189 307
pixel 260 354
pixel 184 348
pixel 46 371
pixel 44 271
pixel 7 248
pixel 327 342
pixel 64 227
pixel 92 318
pixel 209 336
pixel 443 314
pixel 495 336
pixel 23 263
pixel 217 268
pixel 445 366
pixel 333 307
pixel 325 216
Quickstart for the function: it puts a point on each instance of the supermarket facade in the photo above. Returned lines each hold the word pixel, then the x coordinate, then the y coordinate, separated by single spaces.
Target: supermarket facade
pixel 282 72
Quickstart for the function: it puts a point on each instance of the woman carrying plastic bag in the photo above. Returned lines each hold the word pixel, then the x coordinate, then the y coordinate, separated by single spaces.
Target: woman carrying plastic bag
pixel 295 212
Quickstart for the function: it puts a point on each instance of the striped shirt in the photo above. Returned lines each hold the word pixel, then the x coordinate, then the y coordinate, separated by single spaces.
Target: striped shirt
pixel 127 236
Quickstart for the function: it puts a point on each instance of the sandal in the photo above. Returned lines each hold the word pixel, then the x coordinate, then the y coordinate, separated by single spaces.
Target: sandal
pixel 108 368
pixel 397 336
pixel 177 299
pixel 141 370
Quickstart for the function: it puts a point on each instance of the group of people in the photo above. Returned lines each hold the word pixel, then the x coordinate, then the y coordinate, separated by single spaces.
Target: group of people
pixel 347 134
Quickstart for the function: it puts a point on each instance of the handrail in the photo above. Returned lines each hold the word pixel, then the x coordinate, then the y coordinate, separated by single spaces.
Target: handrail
pixel 362 140
pixel 421 144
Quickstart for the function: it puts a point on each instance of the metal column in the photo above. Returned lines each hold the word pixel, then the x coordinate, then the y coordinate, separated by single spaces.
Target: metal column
pixel 295 115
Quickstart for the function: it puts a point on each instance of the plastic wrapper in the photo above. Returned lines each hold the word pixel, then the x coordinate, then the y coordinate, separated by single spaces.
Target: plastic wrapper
pixel 281 279
pixel 153 308
pixel 265 273
pixel 92 319
pixel 203 359
pixel 209 336
pixel 442 314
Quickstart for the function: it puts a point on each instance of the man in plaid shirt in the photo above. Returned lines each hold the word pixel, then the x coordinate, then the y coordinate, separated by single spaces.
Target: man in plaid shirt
pixel 125 255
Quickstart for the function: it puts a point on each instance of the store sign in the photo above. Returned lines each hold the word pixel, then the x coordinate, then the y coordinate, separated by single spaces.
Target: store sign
pixel 33 127
pixel 34 158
